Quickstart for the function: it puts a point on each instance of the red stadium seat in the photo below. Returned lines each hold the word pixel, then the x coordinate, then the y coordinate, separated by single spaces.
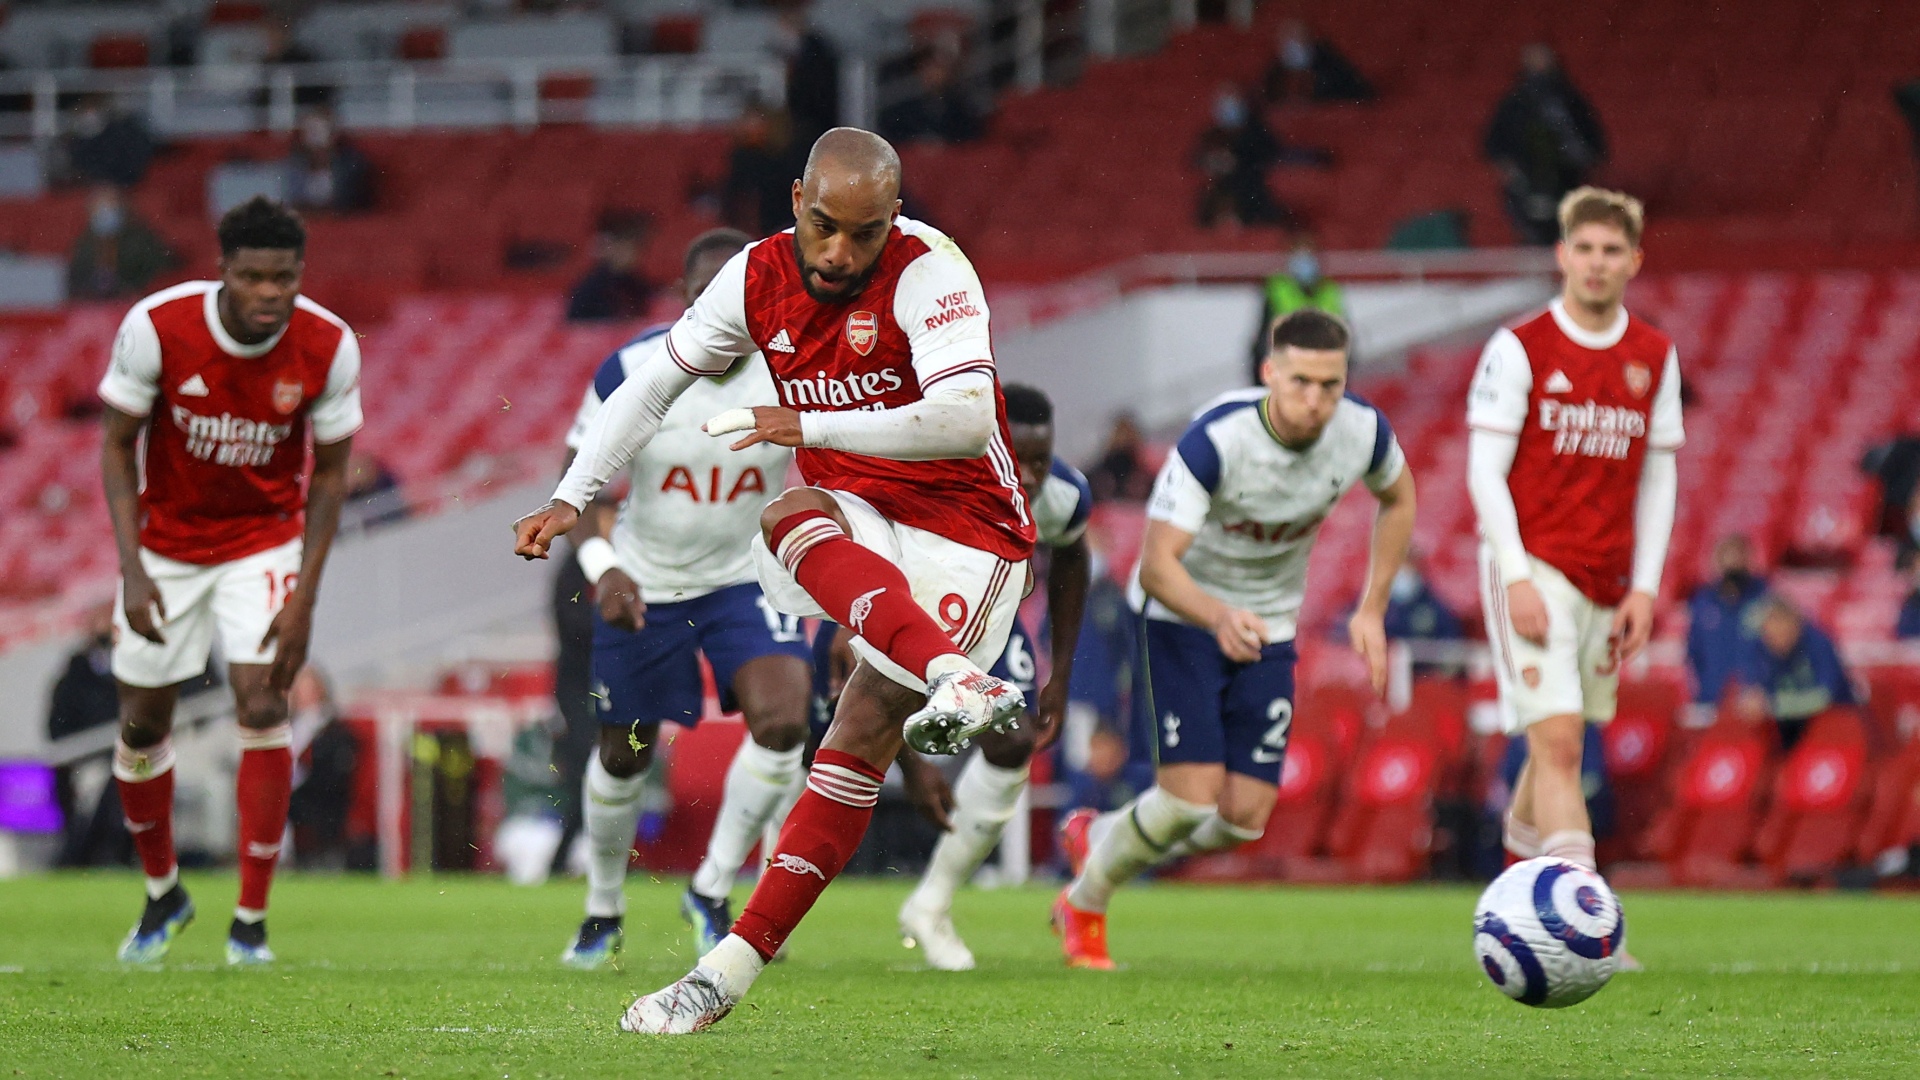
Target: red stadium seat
pixel 1383 829
pixel 1308 782
pixel 1704 836
pixel 1819 799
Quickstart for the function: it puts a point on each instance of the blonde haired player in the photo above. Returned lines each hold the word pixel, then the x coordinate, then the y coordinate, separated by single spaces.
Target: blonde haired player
pixel 1576 419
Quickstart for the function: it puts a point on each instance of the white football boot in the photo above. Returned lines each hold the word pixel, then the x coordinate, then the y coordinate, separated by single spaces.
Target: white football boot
pixel 936 937
pixel 703 997
pixel 962 702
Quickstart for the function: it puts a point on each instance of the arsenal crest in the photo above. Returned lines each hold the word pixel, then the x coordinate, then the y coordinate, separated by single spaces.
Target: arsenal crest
pixel 863 330
pixel 1639 379
pixel 287 396
pixel 1531 676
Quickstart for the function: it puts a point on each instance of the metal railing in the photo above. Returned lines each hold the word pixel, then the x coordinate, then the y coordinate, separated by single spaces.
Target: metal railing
pixel 644 92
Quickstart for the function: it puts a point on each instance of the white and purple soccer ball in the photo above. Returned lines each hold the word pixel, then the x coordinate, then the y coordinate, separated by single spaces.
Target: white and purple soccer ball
pixel 1548 933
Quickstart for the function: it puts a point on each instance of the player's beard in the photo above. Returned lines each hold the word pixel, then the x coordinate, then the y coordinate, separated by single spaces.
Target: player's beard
pixel 855 284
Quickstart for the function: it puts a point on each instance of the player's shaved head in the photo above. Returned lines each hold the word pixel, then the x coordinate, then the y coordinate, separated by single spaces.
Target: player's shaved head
pixel 843 210
pixel 845 159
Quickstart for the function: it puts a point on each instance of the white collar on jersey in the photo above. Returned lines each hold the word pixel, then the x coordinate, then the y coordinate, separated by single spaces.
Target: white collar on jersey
pixel 1605 339
pixel 225 340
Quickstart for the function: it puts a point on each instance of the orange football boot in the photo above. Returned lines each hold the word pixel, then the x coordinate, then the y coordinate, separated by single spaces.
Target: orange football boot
pixel 1083 935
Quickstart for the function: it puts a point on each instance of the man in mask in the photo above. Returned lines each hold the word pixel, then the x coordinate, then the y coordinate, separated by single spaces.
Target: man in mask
pixel 118 254
pixel 1303 284
pixel 1724 619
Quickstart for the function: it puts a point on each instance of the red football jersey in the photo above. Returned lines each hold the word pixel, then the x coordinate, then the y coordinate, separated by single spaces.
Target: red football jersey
pixel 921 318
pixel 226 444
pixel 1586 407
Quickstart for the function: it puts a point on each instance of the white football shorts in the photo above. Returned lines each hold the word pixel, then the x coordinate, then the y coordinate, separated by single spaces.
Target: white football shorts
pixel 1573 675
pixel 972 594
pixel 238 599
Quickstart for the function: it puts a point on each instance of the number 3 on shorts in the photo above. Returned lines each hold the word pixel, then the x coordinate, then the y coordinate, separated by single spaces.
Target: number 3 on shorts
pixel 1273 745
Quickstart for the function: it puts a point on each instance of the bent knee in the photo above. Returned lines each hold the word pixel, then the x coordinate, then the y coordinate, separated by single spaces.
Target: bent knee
pixel 262 713
pixel 797 501
pixel 625 753
pixel 1556 751
pixel 779 734
pixel 1009 749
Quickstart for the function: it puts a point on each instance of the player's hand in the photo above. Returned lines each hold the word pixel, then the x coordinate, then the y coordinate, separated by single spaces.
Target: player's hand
pixel 1368 632
pixel 1632 626
pixel 840 660
pixel 927 789
pixel 1241 635
pixel 620 603
pixel 288 634
pixel 762 423
pixel 144 608
pixel 1527 612
pixel 535 533
pixel 1050 714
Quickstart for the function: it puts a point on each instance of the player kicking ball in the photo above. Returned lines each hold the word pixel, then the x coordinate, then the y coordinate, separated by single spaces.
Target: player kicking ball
pixel 674 580
pixel 1575 417
pixel 913 530
pixel 1222 574
pixel 226 379
pixel 988 792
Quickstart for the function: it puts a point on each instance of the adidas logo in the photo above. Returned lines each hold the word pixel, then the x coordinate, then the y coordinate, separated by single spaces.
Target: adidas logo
pixel 194 387
pixel 781 342
pixel 1558 383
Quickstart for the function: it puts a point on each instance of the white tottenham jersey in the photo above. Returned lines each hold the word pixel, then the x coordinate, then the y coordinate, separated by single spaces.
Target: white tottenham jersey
pixel 1060 512
pixel 1254 506
pixel 687 525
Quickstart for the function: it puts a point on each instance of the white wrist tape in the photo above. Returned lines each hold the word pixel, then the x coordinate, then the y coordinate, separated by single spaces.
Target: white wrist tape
pixel 596 557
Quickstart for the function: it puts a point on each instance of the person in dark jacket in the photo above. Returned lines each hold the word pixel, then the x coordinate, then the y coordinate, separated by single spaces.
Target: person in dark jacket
pixel 1792 673
pixel 613 288
pixel 1310 68
pixel 1724 620
pixel 1545 139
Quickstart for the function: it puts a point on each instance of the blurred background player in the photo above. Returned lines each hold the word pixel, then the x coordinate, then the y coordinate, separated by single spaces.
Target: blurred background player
pixel 226 379
pixel 1223 571
pixel 1575 418
pixel 913 531
pixel 674 580
pixel 988 792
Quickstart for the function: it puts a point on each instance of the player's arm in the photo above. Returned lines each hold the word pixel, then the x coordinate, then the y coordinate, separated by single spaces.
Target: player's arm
pixel 1241 634
pixel 129 390
pixel 120 477
pixel 1653 512
pixel 335 416
pixel 1069 575
pixel 616 593
pixel 709 337
pixel 1392 536
pixel 1496 413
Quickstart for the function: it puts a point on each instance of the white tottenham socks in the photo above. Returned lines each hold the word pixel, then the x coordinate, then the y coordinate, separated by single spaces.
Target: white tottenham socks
pixel 1573 845
pixel 1213 834
pixel 758 784
pixel 984 800
pixel 610 811
pixel 1129 840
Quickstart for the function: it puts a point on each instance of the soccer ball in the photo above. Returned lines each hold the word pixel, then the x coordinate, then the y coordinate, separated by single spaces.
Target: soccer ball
pixel 1548 932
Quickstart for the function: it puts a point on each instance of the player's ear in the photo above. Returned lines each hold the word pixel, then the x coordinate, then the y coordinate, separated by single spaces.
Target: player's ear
pixel 796 201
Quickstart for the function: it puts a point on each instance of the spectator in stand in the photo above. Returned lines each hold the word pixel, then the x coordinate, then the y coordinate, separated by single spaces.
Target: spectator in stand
pixel 325 755
pixel 757 197
pixel 813 75
pixel 1309 68
pixel 942 110
pixel 1233 156
pixel 1724 620
pixel 1906 98
pixel 1792 673
pixel 325 171
pixel 118 254
pixel 86 698
pixel 1896 465
pixel 108 146
pixel 1120 473
pixel 613 288
pixel 373 492
pixel 1414 612
pixel 1546 140
pixel 1300 285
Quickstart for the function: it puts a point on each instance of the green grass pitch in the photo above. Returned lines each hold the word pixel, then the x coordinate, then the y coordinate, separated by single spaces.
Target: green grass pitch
pixel 456 977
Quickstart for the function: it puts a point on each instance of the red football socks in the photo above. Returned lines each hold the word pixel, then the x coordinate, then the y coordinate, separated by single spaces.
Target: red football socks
pixel 859 589
pixel 263 789
pixel 821 834
pixel 145 779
